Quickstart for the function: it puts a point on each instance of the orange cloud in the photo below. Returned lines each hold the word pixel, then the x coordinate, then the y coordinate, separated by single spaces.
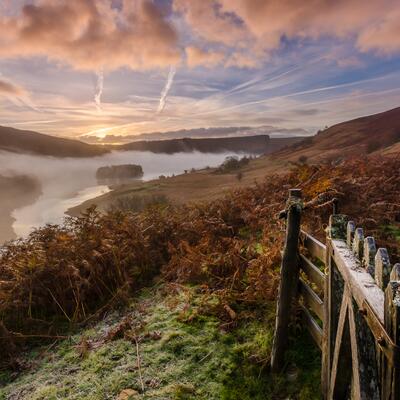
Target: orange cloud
pixel 207 23
pixel 9 88
pixel 250 29
pixel 384 36
pixel 90 34
pixel 140 34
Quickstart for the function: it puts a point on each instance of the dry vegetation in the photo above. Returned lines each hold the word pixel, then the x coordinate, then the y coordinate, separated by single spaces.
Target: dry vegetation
pixel 64 275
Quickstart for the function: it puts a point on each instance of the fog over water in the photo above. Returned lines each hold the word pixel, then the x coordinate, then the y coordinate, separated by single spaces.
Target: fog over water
pixel 67 182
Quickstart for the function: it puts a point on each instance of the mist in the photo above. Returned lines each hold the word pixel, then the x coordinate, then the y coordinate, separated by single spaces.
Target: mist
pixel 67 182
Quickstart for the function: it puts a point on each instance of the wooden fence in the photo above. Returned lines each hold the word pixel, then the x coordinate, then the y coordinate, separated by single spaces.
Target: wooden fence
pixel 348 294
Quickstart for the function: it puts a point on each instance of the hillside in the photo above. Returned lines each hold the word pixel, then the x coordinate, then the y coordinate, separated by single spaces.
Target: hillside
pixel 198 133
pixel 20 141
pixel 370 134
pixel 174 302
pixel 261 144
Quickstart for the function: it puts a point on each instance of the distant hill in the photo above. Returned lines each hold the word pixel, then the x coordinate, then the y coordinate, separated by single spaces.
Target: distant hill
pixel 20 141
pixel 260 144
pixel 199 133
pixel 378 133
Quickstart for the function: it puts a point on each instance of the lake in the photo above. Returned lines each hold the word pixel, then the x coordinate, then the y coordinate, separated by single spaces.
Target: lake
pixel 67 182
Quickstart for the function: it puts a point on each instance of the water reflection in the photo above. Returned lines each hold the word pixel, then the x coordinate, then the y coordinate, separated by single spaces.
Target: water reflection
pixel 68 182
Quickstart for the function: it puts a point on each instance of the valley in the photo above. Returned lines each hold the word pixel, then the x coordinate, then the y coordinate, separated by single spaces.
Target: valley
pixel 377 135
pixel 199 200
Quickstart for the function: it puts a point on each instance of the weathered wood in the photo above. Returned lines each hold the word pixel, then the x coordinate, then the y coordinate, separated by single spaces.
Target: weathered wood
pixel 355 370
pixel 312 272
pixel 288 282
pixel 351 227
pixel 360 312
pixel 335 206
pixel 362 285
pixel 358 243
pixel 314 246
pixel 384 341
pixel 382 268
pixel 366 354
pixel 391 374
pixel 338 226
pixel 312 326
pixel 325 367
pixel 311 299
pixel 369 255
pixel 340 376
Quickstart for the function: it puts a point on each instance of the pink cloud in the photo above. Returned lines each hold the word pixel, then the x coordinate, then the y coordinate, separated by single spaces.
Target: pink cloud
pixel 90 34
pixel 8 88
pixel 140 34
pixel 250 29
pixel 383 36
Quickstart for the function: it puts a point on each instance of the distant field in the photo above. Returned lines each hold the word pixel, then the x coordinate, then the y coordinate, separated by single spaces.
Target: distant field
pixel 200 185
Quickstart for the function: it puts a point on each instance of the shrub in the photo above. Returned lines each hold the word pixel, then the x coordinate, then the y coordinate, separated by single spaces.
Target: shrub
pixel 303 159
pixel 65 274
pixel 232 163
pixel 135 203
pixel 373 146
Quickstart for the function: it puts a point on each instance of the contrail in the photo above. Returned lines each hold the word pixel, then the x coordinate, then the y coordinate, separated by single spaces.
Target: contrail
pixel 99 89
pixel 166 89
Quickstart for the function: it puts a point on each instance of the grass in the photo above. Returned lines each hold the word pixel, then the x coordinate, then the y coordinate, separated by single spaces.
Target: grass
pixel 184 354
pixel 202 185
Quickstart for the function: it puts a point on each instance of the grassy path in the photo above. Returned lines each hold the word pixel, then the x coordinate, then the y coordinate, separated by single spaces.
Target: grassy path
pixel 184 353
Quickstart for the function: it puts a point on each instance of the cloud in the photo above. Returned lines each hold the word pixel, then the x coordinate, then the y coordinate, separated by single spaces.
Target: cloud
pixel 16 95
pixel 99 89
pixel 206 21
pixel 196 56
pixel 8 88
pixel 91 34
pixel 383 36
pixel 167 88
pixel 147 34
pixel 249 30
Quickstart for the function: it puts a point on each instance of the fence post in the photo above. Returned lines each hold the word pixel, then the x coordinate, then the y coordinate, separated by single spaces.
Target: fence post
pixel 335 204
pixel 289 280
pixel 391 373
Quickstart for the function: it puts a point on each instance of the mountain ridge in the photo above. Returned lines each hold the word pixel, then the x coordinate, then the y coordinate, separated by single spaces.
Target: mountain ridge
pixel 26 141
pixel 30 142
pixel 376 133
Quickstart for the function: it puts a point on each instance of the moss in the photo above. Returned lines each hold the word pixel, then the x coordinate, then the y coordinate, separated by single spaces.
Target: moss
pixel 180 358
pixel 338 226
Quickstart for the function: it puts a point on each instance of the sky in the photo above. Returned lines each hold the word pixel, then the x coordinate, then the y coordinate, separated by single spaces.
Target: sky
pixel 123 67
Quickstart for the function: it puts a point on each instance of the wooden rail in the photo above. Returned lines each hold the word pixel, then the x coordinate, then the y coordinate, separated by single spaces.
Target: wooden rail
pixel 349 301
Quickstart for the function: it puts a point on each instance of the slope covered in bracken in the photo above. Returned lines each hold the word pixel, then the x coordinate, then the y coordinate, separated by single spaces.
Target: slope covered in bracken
pixel 30 142
pixel 67 274
pixel 212 270
pixel 365 135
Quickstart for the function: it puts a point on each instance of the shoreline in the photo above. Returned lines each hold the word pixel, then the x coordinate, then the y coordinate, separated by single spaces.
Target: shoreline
pixel 197 186
pixel 17 191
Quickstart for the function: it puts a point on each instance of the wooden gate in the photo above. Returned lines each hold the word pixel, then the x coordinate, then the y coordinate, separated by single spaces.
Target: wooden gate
pixel 349 299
